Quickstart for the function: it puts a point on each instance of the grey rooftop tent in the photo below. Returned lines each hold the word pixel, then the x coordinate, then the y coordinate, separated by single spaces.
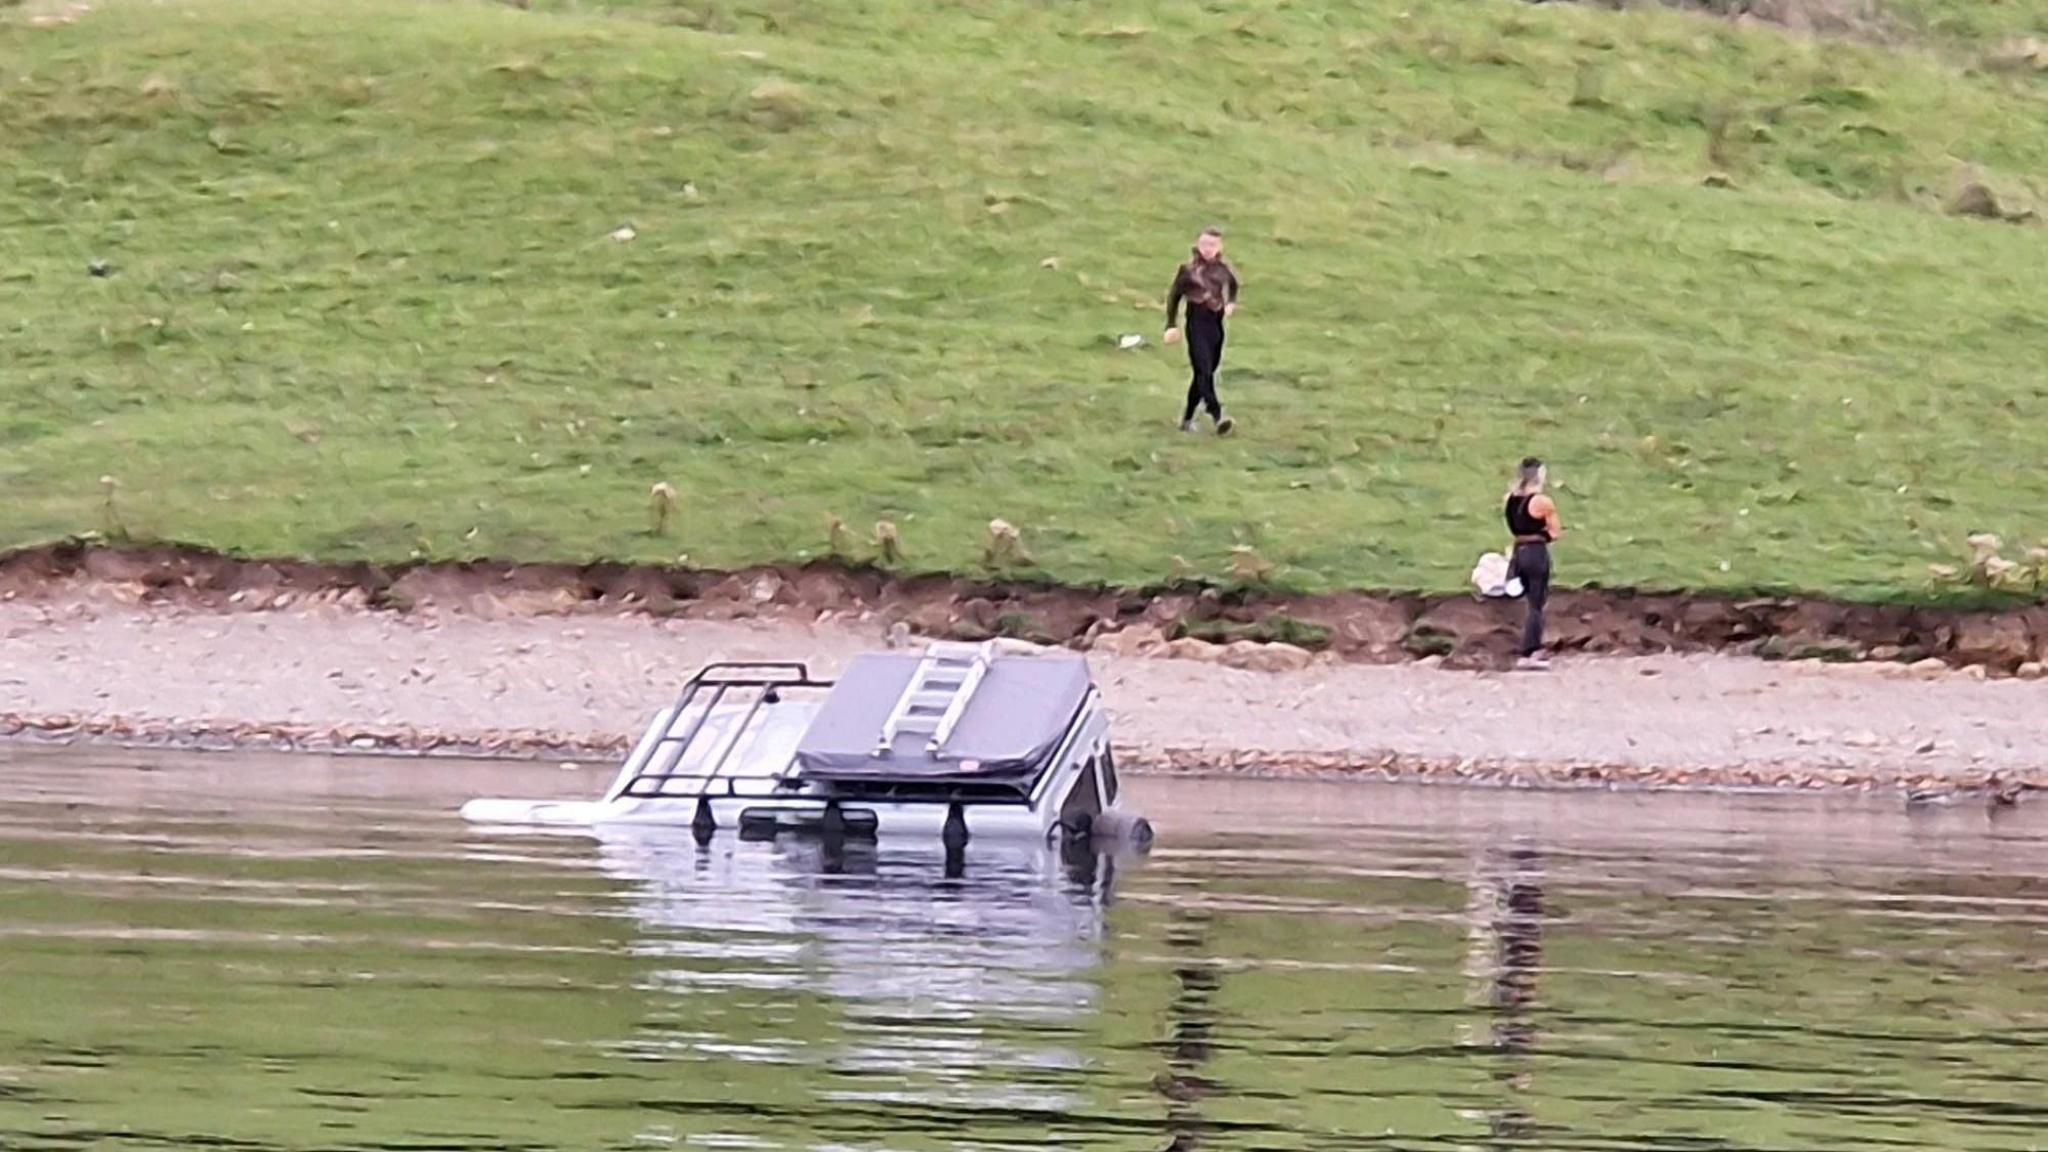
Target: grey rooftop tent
pixel 1011 726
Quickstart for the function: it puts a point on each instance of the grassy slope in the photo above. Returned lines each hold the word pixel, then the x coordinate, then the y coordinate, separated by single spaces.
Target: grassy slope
pixel 1974 21
pixel 364 303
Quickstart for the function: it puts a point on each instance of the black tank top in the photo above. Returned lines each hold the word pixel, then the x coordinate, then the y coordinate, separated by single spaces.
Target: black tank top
pixel 1521 524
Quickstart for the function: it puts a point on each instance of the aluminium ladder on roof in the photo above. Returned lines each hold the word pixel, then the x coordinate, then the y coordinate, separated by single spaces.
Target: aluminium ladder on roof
pixel 937 695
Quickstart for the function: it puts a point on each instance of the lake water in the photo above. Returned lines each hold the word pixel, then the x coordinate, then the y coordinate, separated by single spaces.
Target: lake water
pixel 306 953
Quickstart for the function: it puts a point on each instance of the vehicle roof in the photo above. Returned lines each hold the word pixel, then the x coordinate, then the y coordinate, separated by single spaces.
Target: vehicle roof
pixel 1011 727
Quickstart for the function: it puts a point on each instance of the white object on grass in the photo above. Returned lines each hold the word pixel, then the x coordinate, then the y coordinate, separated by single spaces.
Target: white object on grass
pixel 1490 577
pixel 1129 340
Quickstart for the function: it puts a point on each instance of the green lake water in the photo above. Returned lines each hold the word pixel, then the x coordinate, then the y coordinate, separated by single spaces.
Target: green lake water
pixel 309 953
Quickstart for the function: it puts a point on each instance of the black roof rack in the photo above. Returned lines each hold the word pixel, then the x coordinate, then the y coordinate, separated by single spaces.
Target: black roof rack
pixel 755 682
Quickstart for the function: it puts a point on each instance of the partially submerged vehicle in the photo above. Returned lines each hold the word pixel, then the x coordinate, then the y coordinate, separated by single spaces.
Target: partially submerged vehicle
pixel 957 742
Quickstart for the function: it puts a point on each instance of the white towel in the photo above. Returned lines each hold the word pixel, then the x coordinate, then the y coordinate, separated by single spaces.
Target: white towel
pixel 1490 577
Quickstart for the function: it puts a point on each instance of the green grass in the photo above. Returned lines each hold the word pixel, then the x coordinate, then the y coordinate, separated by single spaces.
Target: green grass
pixel 1975 21
pixel 363 303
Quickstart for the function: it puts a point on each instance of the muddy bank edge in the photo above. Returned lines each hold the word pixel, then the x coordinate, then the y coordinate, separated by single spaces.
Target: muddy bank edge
pixel 1247 627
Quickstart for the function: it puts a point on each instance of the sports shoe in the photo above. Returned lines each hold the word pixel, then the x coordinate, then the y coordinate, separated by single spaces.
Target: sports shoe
pixel 1187 425
pixel 1224 424
pixel 1536 663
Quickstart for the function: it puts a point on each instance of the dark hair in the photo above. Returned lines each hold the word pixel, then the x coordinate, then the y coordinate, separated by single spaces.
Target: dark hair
pixel 1531 463
pixel 1526 475
pixel 1213 231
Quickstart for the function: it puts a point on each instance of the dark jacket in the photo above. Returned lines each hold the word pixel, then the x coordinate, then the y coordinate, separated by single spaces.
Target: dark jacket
pixel 1204 284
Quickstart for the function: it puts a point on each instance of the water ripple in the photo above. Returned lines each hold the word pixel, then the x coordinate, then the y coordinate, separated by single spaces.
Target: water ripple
pixel 190 963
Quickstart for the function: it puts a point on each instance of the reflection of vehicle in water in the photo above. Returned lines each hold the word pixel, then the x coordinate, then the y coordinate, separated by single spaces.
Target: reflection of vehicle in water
pixel 960 742
pixel 944 967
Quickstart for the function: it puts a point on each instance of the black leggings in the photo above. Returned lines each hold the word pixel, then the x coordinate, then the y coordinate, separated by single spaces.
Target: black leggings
pixel 1531 565
pixel 1205 356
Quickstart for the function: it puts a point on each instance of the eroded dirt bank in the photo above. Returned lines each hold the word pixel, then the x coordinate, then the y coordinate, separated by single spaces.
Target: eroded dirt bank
pixel 1356 627
pixel 173 651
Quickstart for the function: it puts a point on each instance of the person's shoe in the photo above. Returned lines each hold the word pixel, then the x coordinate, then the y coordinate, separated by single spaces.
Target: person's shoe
pixel 1187 425
pixel 1536 663
pixel 1224 424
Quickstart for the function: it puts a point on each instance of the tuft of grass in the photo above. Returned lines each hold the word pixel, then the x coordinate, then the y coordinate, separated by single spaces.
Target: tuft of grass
pixel 1989 569
pixel 1275 629
pixel 1004 549
pixel 1589 85
pixel 1779 648
pixel 1425 640
pixel 778 105
pixel 1023 626
pixel 888 543
pixel 661 500
pixel 112 526
pixel 357 300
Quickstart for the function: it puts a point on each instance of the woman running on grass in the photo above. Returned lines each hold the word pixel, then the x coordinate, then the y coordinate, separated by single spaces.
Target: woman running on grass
pixel 1532 520
pixel 1210 289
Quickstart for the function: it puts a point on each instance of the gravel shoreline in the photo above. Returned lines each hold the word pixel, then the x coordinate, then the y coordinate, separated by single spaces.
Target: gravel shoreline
pixel 97 667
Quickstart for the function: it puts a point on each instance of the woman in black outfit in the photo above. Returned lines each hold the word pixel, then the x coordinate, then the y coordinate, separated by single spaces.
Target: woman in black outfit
pixel 1533 522
pixel 1209 286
